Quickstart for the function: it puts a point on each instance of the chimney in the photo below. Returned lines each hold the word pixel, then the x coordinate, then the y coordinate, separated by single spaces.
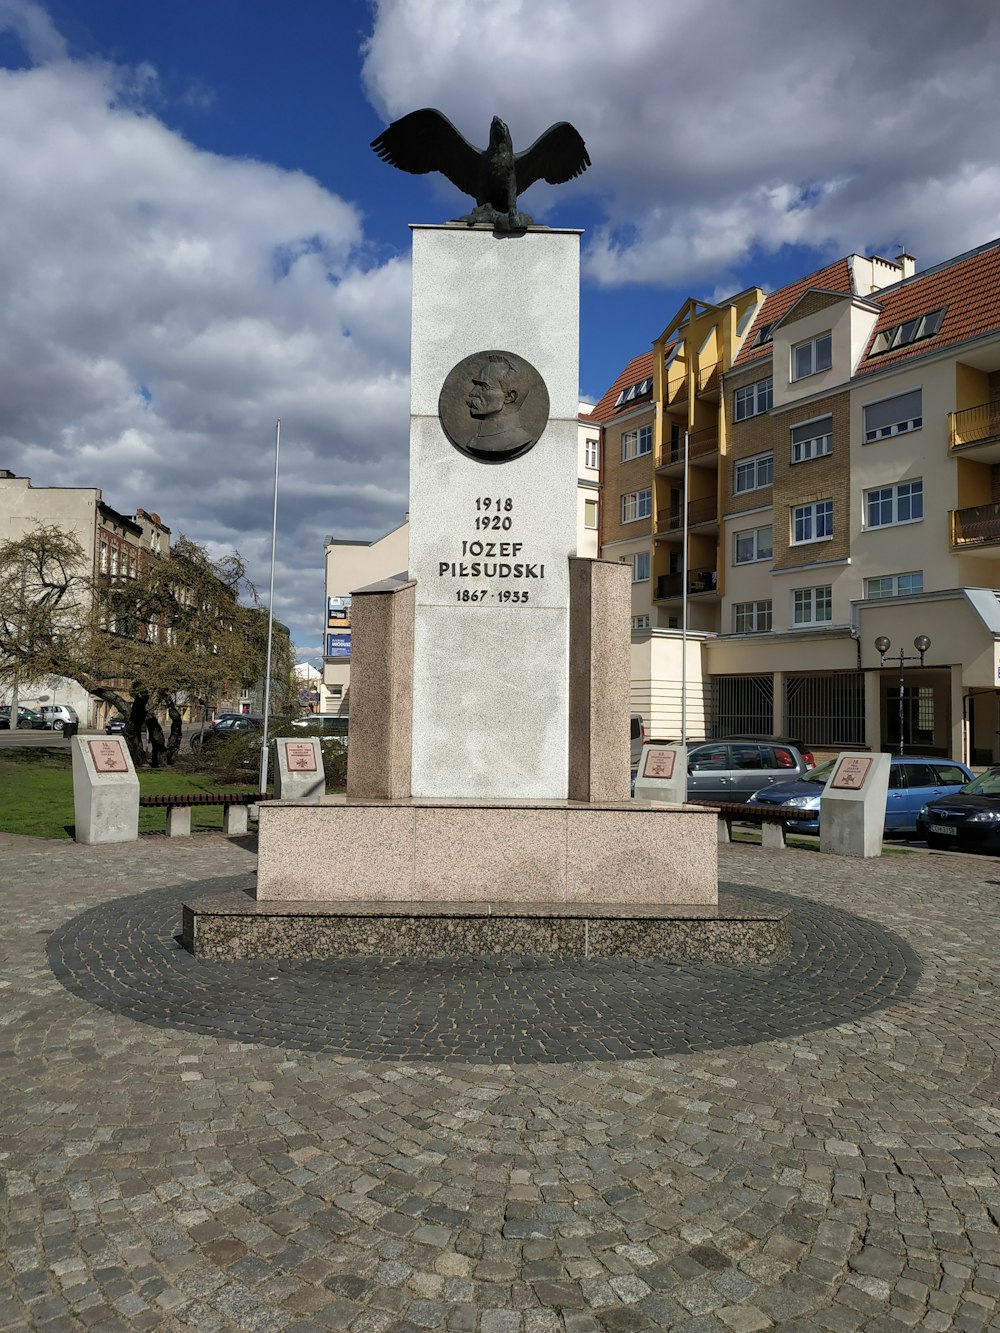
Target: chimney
pixel 907 263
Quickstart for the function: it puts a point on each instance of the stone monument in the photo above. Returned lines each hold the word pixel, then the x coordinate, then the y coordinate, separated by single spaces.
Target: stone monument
pixel 852 806
pixel 105 791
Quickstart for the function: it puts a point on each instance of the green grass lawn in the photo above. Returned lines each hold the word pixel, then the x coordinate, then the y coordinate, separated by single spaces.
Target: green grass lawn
pixel 36 794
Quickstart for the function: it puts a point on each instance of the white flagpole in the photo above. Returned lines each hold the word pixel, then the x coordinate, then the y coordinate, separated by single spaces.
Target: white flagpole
pixel 684 599
pixel 270 615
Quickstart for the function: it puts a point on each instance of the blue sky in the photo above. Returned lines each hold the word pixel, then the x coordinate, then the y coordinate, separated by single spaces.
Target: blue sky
pixel 198 238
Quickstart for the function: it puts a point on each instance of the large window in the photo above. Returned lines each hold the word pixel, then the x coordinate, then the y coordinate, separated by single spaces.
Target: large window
pixel 752 617
pixel 640 567
pixel 812 522
pixel 812 356
pixel 893 416
pixel 590 453
pixel 894 585
pixel 812 439
pixel 640 622
pixel 637 505
pixel 753 473
pixel 889 505
pixel 812 606
pixel 753 399
pixel 635 443
pixel 590 513
pixel 753 544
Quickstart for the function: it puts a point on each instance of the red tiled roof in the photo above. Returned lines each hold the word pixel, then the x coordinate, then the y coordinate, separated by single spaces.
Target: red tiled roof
pixel 835 277
pixel 639 368
pixel 969 288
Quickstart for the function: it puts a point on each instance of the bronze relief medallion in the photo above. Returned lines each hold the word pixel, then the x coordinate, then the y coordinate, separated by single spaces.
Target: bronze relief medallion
pixel 494 406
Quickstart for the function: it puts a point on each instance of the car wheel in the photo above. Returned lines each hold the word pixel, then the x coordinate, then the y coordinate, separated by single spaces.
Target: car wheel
pixel 57 725
pixel 195 742
pixel 24 726
pixel 937 842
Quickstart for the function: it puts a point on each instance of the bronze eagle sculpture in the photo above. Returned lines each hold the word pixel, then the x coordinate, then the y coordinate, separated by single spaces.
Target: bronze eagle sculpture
pixel 426 141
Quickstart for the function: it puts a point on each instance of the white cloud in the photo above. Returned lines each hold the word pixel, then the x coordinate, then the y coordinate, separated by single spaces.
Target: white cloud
pixel 163 306
pixel 718 128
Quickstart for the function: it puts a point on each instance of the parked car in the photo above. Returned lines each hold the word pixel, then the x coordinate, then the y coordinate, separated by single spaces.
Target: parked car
pixel 114 724
pixel 322 724
pixel 27 719
pixel 968 819
pixel 637 734
pixel 228 724
pixel 733 768
pixel 913 780
pixel 56 716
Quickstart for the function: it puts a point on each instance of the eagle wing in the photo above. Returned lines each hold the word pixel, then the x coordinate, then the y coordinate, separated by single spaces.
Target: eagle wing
pixel 556 156
pixel 425 141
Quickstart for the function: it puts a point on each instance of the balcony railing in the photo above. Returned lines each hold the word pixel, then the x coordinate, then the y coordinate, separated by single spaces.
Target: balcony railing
pixel 709 377
pixel 979 525
pixel 699 580
pixel 974 425
pixel 700 444
pixel 699 511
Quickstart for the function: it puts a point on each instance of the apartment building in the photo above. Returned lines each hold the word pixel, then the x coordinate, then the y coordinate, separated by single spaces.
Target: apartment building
pixel 114 544
pixel 356 564
pixel 846 491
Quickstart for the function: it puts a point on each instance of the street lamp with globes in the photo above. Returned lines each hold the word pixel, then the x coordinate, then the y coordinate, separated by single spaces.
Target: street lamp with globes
pixel 882 646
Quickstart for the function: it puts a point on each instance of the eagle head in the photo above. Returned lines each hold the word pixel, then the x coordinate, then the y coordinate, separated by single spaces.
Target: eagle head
pixel 499 134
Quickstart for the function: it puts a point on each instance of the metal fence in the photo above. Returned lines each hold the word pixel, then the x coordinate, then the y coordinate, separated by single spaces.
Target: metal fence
pixel 742 706
pixel 826 710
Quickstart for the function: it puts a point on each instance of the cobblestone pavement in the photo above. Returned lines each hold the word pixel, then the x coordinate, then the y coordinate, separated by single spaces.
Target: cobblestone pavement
pixel 832 1168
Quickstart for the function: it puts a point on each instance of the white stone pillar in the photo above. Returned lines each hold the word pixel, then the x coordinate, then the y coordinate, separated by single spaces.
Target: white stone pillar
pixel 491 631
pixel 105 791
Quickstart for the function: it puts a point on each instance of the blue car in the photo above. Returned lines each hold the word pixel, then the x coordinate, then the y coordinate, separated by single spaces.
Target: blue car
pixel 913 781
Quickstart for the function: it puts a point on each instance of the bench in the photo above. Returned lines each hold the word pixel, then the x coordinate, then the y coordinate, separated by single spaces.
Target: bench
pixel 178 808
pixel 772 819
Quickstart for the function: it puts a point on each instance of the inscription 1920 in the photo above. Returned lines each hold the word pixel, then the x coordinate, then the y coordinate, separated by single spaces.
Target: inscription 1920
pixel 487 559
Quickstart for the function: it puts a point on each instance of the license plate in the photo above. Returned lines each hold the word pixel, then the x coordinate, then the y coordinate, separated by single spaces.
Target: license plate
pixel 940 828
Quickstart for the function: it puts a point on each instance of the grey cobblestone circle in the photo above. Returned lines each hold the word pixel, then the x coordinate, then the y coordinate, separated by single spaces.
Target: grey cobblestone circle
pixel 123 956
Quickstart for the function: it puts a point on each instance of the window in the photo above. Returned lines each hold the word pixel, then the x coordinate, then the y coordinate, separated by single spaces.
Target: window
pixel 635 443
pixel 753 399
pixel 902 503
pixel 911 331
pixel 114 559
pixel 810 357
pixel 640 622
pixel 637 505
pixel 894 585
pixel 104 557
pixel 590 453
pixel 763 335
pixel 752 617
pixel 812 439
pixel 640 567
pixel 753 544
pixel 753 473
pixel 634 391
pixel 893 416
pixel 812 522
pixel 812 606
pixel 590 513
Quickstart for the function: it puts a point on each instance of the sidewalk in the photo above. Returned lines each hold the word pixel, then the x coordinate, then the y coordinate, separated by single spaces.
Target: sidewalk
pixel 499 1147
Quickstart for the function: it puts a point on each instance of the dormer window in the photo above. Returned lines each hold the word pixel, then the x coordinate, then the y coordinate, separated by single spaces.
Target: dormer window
pixel 910 331
pixel 812 356
pixel 764 335
pixel 634 391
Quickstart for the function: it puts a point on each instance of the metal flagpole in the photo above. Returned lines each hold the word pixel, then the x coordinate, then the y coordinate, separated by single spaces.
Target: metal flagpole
pixel 684 598
pixel 270 615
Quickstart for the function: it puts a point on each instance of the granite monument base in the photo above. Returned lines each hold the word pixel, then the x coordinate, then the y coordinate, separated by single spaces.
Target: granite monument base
pixel 446 851
pixel 235 926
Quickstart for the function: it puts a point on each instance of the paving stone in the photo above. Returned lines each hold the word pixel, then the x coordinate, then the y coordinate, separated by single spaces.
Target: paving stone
pixel 479 1144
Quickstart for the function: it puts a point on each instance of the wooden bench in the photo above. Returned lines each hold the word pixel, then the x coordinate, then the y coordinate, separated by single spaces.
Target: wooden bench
pixel 234 809
pixel 772 819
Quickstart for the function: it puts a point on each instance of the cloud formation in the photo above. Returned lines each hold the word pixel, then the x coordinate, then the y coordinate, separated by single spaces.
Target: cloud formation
pixel 163 306
pixel 719 129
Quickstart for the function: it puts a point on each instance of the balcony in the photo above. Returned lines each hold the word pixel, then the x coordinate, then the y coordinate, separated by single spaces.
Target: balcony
pixel 698 512
pixel 702 446
pixel 670 586
pixel 975 427
pixel 977 526
pixel 710 378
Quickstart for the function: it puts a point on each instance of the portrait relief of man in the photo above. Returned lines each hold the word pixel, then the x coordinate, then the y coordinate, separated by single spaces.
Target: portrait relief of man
pixel 494 406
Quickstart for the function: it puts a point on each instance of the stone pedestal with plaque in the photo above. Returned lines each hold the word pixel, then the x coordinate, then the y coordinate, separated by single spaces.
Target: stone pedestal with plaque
pixel 662 773
pixel 105 791
pixel 852 807
pixel 298 769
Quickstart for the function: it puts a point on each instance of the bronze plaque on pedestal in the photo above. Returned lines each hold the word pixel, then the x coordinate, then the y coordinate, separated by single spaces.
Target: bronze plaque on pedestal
pixel 494 406
pixel 108 757
pixel 300 756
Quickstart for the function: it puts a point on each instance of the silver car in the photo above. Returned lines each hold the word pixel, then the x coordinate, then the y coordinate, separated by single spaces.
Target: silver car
pixel 56 716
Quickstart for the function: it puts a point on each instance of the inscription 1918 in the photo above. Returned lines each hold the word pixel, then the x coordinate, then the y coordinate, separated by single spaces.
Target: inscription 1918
pixel 487 559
